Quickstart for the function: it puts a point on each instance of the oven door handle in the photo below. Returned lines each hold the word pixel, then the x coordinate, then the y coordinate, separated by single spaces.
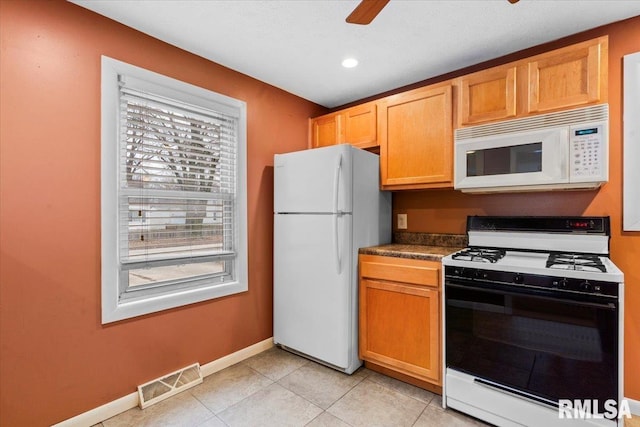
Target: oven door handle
pixel 535 293
pixel 508 390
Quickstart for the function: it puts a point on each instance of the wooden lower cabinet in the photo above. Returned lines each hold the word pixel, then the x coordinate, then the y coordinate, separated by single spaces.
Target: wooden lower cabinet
pixel 400 316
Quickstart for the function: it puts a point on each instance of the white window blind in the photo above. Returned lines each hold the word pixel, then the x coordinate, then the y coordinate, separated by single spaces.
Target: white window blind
pixel 173 192
pixel 177 180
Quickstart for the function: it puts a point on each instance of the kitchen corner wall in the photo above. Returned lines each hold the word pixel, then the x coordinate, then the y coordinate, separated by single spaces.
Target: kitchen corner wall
pixel 445 211
pixel 57 360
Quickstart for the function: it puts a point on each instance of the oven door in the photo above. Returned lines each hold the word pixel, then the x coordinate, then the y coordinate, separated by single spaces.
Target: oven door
pixel 513 160
pixel 533 343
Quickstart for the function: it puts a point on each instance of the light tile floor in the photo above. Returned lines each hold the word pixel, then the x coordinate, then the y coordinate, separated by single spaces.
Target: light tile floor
pixel 277 388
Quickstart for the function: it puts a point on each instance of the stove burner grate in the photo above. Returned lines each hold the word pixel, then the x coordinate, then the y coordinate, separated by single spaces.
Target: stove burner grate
pixel 569 261
pixel 479 255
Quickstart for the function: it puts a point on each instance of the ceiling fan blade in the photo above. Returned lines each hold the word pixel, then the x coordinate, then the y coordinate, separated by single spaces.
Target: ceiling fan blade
pixel 513 1
pixel 364 13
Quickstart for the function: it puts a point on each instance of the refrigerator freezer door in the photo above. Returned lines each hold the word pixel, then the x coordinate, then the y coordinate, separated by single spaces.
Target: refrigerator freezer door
pixel 313 286
pixel 313 181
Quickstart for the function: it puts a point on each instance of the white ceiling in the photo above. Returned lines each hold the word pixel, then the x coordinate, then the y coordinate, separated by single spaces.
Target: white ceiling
pixel 298 45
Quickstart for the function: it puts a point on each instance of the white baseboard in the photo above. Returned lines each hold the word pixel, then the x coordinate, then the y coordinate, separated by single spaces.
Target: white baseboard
pixel 118 406
pixel 233 358
pixel 634 406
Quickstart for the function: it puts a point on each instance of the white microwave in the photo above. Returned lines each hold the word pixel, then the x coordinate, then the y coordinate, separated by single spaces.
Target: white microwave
pixel 558 151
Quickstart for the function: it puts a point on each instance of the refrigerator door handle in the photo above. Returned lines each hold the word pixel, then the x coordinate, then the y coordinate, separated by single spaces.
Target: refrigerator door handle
pixel 336 241
pixel 336 183
pixel 336 213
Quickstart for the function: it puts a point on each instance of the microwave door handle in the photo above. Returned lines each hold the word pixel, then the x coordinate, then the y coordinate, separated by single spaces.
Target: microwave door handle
pixel 566 156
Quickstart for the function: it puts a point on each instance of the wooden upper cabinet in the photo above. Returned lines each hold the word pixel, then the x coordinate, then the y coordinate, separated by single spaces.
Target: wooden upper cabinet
pixel 360 125
pixel 356 126
pixel 487 95
pixel 325 130
pixel 561 79
pixel 568 77
pixel 416 138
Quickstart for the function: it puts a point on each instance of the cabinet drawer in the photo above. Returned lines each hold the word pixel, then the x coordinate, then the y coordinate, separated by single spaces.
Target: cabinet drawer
pixel 426 273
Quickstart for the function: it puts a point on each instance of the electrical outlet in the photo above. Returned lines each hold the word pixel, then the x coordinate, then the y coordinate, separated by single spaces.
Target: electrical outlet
pixel 402 221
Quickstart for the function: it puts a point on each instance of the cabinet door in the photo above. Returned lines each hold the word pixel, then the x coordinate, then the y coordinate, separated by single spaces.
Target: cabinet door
pixel 325 131
pixel 568 77
pixel 360 125
pixel 400 328
pixel 487 95
pixel 416 139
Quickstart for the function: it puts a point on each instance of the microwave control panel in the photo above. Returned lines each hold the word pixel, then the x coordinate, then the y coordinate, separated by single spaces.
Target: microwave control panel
pixel 588 153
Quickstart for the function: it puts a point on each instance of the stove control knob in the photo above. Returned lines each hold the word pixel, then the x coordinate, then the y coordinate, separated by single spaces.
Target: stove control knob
pixel 518 278
pixel 560 283
pixel 586 286
pixel 479 274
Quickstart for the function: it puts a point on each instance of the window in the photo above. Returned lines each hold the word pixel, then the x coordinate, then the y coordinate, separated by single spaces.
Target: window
pixel 173 193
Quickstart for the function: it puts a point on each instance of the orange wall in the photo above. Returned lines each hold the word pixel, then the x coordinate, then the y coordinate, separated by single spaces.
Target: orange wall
pixel 57 360
pixel 445 211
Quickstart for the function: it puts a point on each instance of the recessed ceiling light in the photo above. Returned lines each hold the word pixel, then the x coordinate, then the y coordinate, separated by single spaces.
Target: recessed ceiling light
pixel 349 62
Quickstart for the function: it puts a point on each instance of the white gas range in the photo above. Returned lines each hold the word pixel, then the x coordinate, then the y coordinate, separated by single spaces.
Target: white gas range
pixel 533 319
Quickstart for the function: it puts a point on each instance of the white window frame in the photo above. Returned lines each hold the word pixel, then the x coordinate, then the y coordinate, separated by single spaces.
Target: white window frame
pixel 114 307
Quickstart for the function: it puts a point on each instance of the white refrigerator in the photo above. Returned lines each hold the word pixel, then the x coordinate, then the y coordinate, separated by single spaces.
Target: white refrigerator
pixel 327 205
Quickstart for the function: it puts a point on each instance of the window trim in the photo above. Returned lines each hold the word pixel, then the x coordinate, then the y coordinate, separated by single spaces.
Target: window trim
pixel 113 307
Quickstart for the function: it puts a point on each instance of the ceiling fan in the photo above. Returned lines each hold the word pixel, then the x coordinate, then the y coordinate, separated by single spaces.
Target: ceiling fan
pixel 367 10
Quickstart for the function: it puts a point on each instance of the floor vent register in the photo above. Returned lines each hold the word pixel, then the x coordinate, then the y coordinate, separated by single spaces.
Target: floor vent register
pixel 161 388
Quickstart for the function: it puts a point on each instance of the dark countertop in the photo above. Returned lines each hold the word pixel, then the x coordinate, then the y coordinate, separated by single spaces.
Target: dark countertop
pixel 399 250
pixel 423 246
